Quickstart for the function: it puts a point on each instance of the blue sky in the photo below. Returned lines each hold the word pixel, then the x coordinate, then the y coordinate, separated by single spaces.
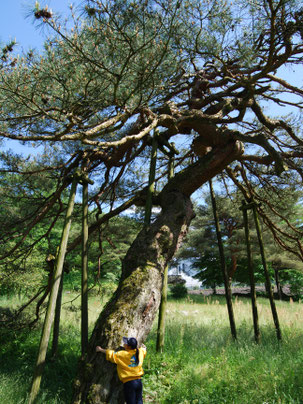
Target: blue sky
pixel 16 23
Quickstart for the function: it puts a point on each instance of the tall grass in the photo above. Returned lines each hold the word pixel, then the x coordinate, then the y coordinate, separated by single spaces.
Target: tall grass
pixel 201 363
pixel 18 354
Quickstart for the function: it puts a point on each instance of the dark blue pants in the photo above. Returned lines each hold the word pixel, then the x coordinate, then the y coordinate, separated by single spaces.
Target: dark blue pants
pixel 133 392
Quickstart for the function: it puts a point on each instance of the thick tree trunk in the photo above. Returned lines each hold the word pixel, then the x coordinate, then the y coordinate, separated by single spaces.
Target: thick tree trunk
pixel 133 307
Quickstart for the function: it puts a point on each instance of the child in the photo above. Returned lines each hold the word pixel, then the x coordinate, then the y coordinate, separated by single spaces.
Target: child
pixel 129 367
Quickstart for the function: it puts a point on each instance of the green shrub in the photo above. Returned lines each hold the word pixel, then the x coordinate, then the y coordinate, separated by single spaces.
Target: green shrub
pixel 179 291
pixel 295 280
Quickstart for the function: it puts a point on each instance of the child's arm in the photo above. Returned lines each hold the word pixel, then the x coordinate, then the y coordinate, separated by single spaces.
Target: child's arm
pixel 111 355
pixel 99 349
pixel 143 351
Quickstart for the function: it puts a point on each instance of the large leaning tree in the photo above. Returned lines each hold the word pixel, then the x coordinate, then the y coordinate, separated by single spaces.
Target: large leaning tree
pixel 207 75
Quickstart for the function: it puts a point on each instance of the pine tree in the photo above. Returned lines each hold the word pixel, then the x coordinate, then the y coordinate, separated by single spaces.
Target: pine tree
pixel 201 70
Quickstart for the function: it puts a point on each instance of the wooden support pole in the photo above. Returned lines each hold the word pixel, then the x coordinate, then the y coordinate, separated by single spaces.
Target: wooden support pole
pixel 227 286
pixel 171 165
pixel 278 284
pixel 163 303
pixel 251 276
pixel 162 312
pixel 56 329
pixel 84 181
pixel 84 277
pixel 151 180
pixel 266 273
pixel 53 296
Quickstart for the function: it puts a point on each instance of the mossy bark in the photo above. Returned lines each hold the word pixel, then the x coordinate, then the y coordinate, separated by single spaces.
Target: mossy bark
pixel 133 307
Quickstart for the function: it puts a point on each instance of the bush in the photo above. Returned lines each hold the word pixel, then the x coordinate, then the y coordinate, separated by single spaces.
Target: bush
pixel 295 283
pixel 178 291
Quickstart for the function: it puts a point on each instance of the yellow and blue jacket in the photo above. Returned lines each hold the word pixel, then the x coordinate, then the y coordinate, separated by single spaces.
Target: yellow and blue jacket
pixel 126 363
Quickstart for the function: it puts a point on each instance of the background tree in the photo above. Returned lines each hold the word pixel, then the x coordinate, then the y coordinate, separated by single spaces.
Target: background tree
pixel 28 271
pixel 200 244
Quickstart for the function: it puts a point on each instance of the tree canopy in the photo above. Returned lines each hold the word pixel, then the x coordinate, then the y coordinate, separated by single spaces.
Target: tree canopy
pixel 207 71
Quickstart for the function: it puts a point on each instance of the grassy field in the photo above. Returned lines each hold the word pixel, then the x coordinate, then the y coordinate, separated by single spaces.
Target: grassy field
pixel 201 363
